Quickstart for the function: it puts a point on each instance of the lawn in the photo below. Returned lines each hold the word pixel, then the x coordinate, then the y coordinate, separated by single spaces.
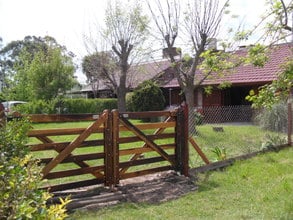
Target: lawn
pixel 259 188
pixel 236 140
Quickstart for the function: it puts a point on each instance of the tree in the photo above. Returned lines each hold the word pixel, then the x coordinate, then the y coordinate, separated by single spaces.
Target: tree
pixel 126 30
pixel 277 29
pixel 11 53
pixel 200 25
pixel 100 66
pixel 41 75
pixel 148 97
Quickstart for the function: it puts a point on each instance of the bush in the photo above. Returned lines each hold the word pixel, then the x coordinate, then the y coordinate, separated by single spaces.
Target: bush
pixel 68 106
pixel 274 119
pixel 20 196
pixel 148 97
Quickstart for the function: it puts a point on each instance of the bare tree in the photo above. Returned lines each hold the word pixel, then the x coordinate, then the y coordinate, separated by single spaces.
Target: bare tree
pixel 126 30
pixel 200 24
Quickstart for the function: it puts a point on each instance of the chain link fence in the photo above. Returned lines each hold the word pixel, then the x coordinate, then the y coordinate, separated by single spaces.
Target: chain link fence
pixel 224 132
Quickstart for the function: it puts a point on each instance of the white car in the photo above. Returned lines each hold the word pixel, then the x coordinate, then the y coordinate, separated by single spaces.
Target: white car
pixel 9 105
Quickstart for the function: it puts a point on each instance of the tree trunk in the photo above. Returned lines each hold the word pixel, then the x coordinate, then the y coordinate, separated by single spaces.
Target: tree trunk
pixel 121 91
pixel 190 97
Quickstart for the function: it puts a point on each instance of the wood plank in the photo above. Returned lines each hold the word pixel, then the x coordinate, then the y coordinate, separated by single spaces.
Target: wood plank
pixel 152 137
pixel 140 150
pixel 149 126
pixel 79 163
pixel 142 162
pixel 59 131
pixel 74 144
pixel 145 172
pixel 157 133
pixel 76 172
pixel 144 138
pixel 77 158
pixel 73 185
pixel 149 114
pixel 44 118
pixel 198 150
pixel 62 145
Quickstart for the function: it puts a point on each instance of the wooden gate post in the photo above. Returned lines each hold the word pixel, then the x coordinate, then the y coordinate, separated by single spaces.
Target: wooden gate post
pixel 181 150
pixel 111 136
pixel 290 121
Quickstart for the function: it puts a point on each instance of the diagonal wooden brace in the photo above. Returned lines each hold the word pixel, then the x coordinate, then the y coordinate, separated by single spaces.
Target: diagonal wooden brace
pixel 74 144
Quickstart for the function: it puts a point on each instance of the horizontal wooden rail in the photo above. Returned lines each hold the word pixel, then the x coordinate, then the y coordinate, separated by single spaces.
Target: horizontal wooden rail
pixel 44 118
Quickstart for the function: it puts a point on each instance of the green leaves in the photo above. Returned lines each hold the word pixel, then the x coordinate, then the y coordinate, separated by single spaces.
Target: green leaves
pixel 20 178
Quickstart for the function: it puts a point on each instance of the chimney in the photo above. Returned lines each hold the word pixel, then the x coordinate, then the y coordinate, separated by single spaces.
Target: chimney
pixel 174 51
pixel 211 44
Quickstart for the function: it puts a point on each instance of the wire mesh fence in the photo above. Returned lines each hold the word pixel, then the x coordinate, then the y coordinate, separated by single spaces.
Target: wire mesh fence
pixel 227 131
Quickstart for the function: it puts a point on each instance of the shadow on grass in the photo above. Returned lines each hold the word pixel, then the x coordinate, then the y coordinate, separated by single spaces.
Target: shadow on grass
pixel 205 184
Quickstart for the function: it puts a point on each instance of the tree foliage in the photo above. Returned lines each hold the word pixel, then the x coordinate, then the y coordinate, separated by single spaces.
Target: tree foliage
pixel 277 29
pixel 20 178
pixel 147 97
pixel 40 71
pixel 100 66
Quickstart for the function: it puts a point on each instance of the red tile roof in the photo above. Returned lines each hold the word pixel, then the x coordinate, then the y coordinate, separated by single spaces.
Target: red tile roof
pixel 249 74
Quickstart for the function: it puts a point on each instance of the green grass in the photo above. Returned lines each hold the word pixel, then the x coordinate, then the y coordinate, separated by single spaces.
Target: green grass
pixel 259 188
pixel 236 140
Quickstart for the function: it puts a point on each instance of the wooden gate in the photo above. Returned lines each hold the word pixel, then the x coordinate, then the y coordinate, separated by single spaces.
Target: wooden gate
pixel 112 147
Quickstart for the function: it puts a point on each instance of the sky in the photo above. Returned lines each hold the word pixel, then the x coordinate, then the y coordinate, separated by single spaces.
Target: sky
pixel 68 20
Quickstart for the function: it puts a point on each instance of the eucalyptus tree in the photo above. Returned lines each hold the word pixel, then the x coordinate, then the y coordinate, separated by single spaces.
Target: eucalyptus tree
pixel 126 31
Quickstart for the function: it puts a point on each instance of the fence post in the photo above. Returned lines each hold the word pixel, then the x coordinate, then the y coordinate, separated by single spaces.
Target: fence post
pixel 290 121
pixel 181 150
pixel 111 133
pixel 2 115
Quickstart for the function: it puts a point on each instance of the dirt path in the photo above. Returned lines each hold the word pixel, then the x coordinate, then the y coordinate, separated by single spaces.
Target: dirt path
pixel 152 189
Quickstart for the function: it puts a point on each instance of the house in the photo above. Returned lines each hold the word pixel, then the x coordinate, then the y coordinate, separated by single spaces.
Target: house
pixel 243 79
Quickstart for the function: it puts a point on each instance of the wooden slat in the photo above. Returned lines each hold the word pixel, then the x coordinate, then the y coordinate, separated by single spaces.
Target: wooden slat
pixel 43 118
pixel 75 143
pixel 151 126
pixel 152 137
pixel 198 150
pixel 145 172
pixel 79 163
pixel 59 131
pixel 77 158
pixel 157 133
pixel 142 162
pixel 144 138
pixel 141 150
pixel 76 172
pixel 74 185
pixel 149 114
pixel 62 145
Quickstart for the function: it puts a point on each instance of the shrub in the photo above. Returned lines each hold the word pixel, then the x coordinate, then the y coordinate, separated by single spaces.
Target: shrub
pixel 148 97
pixel 69 106
pixel 274 119
pixel 20 196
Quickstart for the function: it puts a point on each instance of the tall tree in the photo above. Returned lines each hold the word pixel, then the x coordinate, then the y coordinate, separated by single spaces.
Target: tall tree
pixel 199 25
pixel 100 67
pixel 126 30
pixel 40 74
pixel 12 53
